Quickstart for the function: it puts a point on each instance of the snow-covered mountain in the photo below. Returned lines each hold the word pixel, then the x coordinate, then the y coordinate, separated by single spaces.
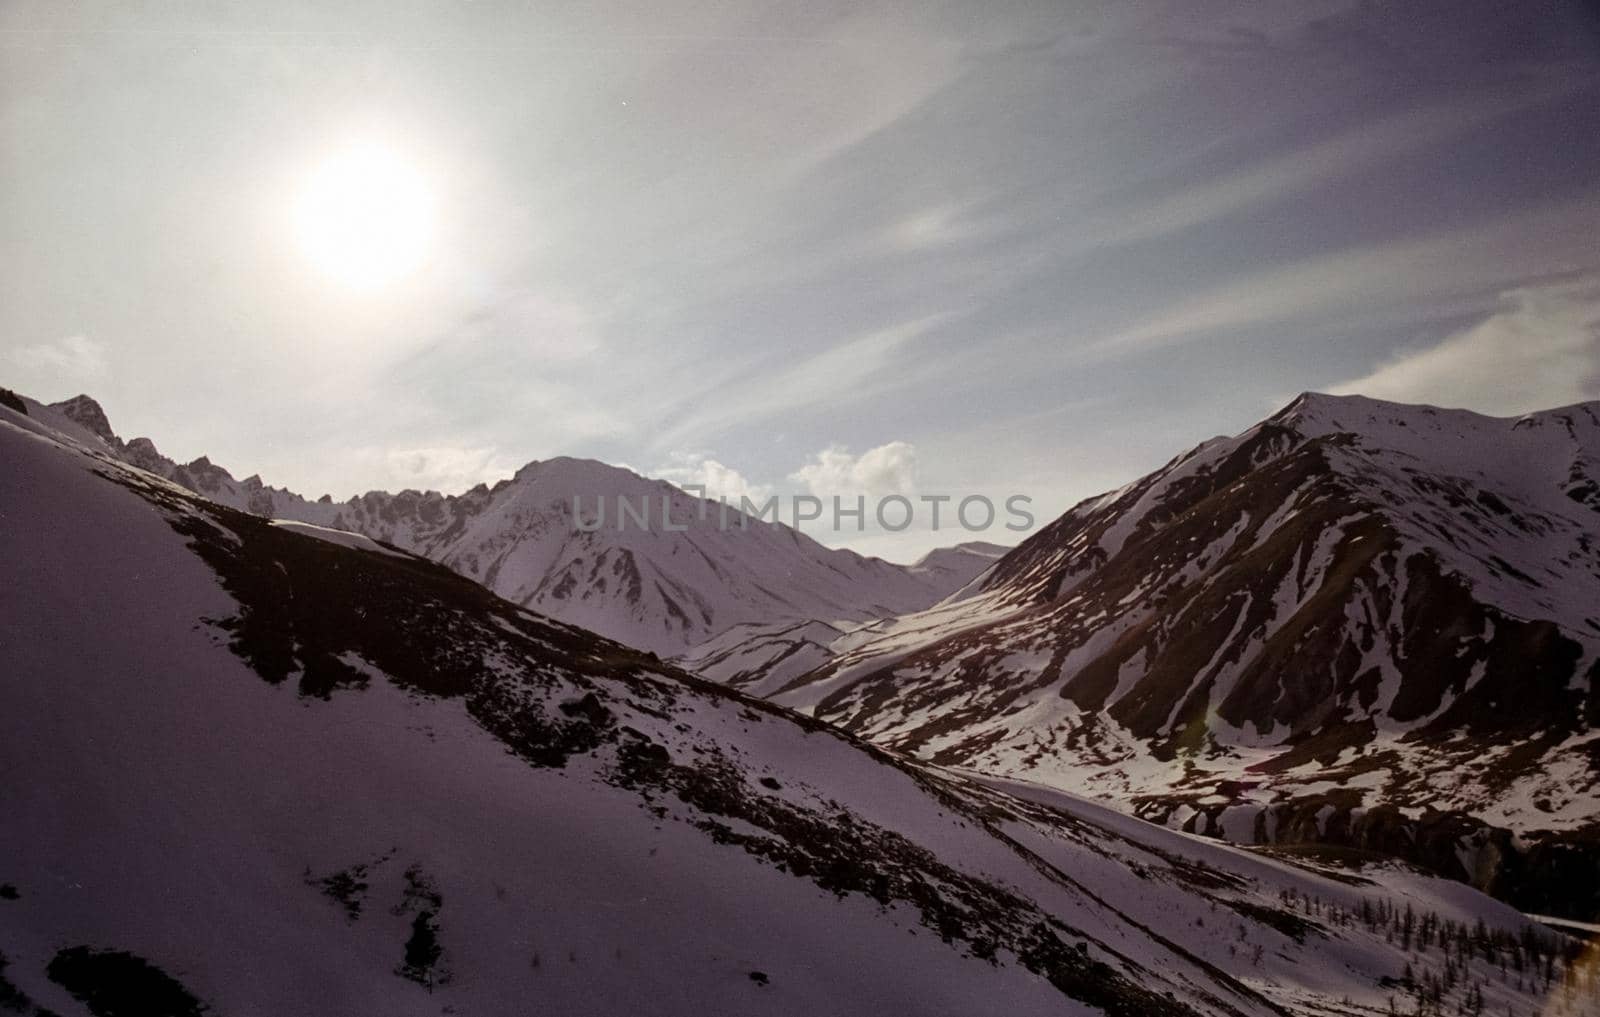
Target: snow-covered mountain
pixel 1357 622
pixel 761 658
pixel 276 769
pixel 658 589
pixel 955 566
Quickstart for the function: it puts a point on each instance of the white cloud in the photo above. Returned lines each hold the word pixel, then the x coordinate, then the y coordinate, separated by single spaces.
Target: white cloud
pixel 888 469
pixel 697 469
pixel 1542 351
pixel 68 361
pixel 445 468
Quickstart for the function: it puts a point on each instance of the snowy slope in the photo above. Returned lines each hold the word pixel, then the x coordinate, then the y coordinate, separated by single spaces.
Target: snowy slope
pixel 282 775
pixel 955 566
pixel 761 659
pixel 655 589
pixel 1325 628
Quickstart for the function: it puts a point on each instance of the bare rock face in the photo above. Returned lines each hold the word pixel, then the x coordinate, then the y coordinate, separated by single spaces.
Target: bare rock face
pixel 87 413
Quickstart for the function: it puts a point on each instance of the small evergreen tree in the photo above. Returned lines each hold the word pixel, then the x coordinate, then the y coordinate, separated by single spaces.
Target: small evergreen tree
pixel 422 950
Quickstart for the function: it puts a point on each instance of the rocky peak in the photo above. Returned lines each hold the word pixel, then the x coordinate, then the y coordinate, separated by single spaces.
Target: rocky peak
pixel 85 412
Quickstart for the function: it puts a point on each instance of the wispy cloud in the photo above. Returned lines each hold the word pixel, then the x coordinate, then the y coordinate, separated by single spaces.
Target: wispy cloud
pixel 1360 149
pixel 852 370
pixel 541 328
pixel 74 360
pixel 769 230
pixel 1360 280
pixel 1542 350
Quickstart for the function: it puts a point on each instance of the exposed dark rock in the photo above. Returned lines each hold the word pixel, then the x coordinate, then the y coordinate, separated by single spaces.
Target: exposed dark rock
pixel 113 983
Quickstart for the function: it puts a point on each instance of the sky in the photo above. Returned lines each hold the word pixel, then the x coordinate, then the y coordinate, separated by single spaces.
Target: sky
pixel 845 248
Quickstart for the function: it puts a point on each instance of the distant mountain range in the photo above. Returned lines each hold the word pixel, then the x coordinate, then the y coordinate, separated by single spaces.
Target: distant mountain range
pixel 1358 623
pixel 654 589
pixel 264 767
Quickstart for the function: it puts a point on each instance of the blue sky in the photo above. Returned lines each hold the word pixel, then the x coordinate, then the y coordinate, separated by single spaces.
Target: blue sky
pixel 954 248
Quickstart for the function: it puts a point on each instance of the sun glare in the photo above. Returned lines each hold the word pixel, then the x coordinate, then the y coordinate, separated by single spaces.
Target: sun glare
pixel 365 217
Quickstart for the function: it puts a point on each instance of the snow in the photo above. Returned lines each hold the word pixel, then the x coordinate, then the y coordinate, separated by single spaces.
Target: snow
pixel 1567 923
pixel 980 678
pixel 761 659
pixel 657 589
pixel 196 858
pixel 161 798
pixel 341 537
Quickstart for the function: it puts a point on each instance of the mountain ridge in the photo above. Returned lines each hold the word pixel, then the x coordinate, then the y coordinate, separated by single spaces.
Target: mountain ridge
pixel 657 589
pixel 397 790
pixel 1351 615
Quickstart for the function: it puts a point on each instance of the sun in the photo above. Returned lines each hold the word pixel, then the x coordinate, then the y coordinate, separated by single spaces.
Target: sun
pixel 364 217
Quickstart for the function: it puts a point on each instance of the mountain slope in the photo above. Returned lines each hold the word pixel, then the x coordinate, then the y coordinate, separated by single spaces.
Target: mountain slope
pixel 658 589
pixel 762 658
pixel 1348 617
pixel 262 771
pixel 959 564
